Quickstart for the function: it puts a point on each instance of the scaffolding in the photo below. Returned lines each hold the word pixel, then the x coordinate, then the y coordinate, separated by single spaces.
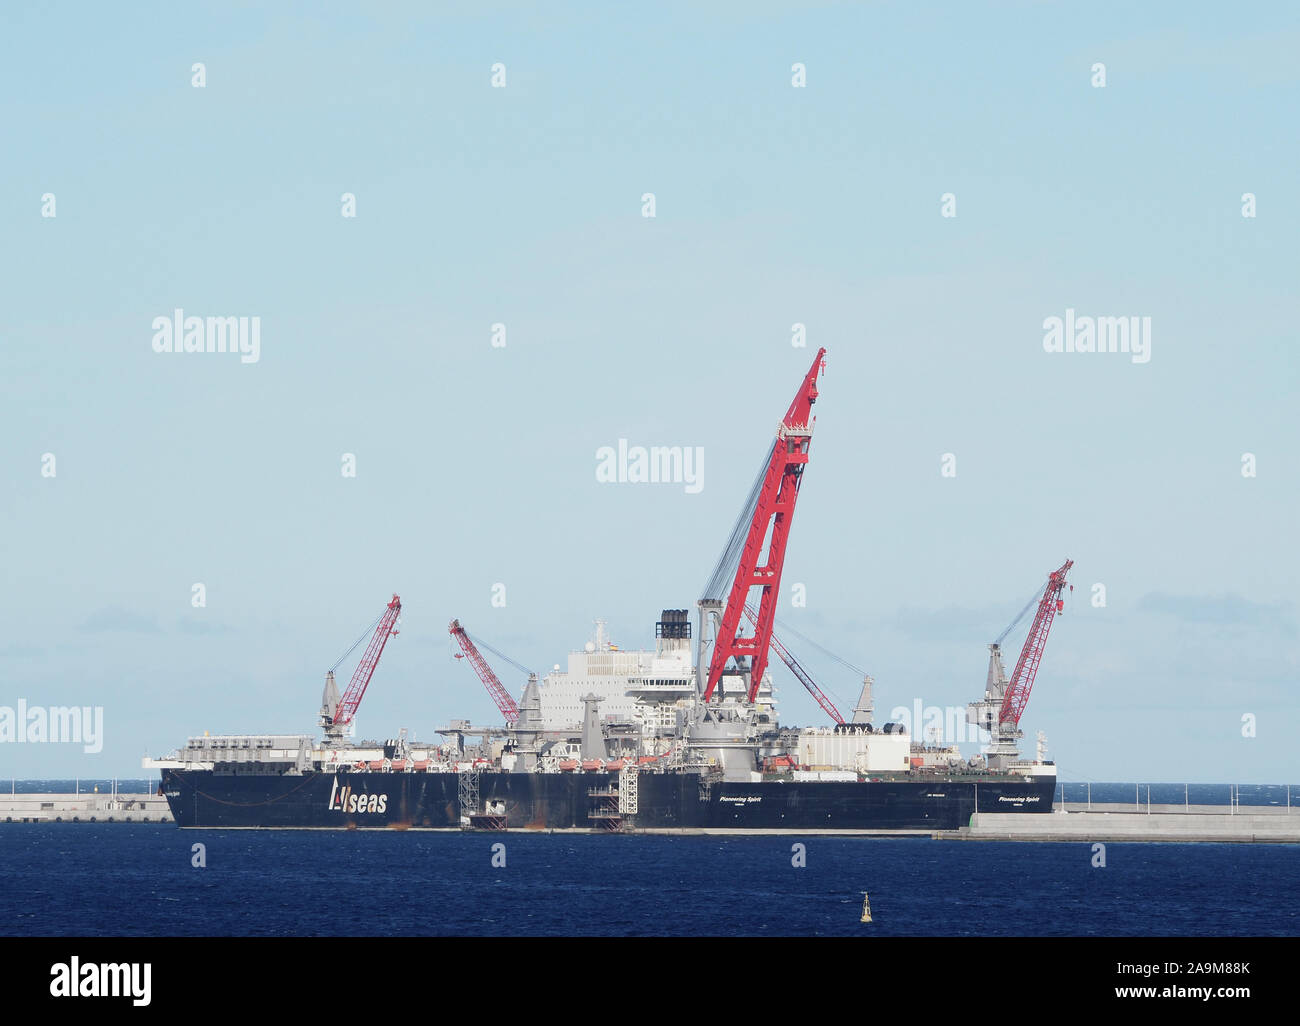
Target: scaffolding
pixel 475 814
pixel 614 803
pixel 708 778
pixel 627 790
pixel 467 796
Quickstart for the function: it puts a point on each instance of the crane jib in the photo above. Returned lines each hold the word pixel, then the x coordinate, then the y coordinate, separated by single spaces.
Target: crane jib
pixel 774 503
pixel 1022 680
pixel 351 699
pixel 504 702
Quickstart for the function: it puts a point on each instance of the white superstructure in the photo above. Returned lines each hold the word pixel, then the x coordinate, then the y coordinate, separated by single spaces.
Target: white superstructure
pixel 849 748
pixel 653 688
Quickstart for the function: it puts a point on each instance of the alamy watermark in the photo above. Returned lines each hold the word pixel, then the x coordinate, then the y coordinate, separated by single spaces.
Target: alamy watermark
pixel 102 979
pixel 1073 334
pixel 940 724
pixel 659 464
pixel 181 334
pixel 60 724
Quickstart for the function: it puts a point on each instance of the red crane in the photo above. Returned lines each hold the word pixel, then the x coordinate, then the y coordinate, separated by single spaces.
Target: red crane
pixel 773 510
pixel 494 686
pixel 797 669
pixel 351 699
pixel 1022 680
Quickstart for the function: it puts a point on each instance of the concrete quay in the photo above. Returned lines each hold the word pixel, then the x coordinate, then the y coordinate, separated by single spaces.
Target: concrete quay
pixel 84 808
pixel 1180 824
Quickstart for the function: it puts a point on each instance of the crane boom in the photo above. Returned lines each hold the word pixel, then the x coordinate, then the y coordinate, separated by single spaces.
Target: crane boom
pixel 490 681
pixel 773 511
pixel 351 699
pixel 797 669
pixel 1022 680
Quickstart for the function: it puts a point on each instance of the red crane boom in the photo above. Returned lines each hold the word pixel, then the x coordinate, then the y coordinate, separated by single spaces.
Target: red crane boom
pixel 351 699
pixel 494 686
pixel 772 515
pixel 797 669
pixel 1022 680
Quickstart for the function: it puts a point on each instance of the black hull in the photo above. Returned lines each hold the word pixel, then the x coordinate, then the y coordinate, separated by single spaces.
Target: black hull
pixel 587 801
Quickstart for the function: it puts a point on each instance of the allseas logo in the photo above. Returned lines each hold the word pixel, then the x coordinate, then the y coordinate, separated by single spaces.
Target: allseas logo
pixel 107 979
pixel 347 800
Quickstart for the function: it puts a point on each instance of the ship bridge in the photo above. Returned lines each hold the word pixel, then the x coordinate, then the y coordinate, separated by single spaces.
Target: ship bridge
pixel 674 686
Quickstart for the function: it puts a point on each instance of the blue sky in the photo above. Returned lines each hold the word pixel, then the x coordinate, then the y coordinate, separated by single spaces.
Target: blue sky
pixel 775 205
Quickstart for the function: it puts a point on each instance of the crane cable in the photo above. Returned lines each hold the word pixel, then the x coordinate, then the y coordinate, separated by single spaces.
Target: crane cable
pixel 364 634
pixel 500 655
pixel 787 629
pixel 725 569
pixel 839 700
pixel 1028 606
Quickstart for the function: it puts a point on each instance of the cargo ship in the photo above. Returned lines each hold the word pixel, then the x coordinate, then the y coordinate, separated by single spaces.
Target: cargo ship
pixel 682 736
pixel 628 770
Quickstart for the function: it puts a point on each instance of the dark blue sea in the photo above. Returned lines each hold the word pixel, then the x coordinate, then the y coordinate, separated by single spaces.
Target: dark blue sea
pixel 137 880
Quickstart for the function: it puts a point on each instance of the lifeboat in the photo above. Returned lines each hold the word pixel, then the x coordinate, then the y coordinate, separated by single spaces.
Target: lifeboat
pixel 591 764
pixel 568 764
pixel 615 766
pixel 376 764
pixel 420 765
pixel 399 764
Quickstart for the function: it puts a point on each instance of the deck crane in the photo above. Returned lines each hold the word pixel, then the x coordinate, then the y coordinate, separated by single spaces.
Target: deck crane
pixel 797 669
pixel 765 518
pixel 490 680
pixel 1004 701
pixel 336 713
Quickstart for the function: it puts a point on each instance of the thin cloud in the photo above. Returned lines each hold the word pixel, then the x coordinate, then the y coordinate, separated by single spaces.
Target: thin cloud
pixel 952 623
pixel 1223 610
pixel 119 620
